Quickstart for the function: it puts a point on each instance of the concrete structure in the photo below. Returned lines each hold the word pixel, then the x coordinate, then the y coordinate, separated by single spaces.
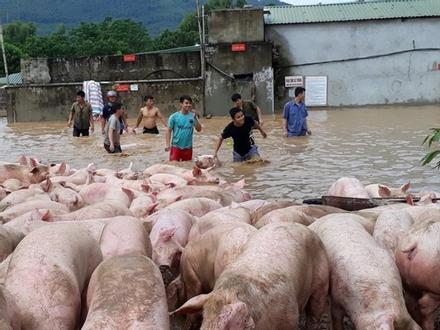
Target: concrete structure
pixel 367 61
pixel 50 85
pixel 238 60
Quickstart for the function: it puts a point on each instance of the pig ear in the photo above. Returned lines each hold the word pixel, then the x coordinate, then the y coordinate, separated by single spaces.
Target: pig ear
pixel 406 187
pixel 46 185
pixel 91 168
pixel 129 193
pixel 194 305
pixel 384 191
pixel 33 162
pixel 34 170
pixel 239 184
pixel 62 168
pixel 151 208
pixel 22 160
pixel 47 216
pixel 167 233
pixel 410 200
pixel 196 171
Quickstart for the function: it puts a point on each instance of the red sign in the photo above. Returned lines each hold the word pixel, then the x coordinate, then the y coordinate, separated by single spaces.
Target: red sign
pixel 122 88
pixel 238 47
pixel 130 58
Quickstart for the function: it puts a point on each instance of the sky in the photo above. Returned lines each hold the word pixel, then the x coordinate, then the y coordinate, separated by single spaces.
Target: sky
pixel 312 2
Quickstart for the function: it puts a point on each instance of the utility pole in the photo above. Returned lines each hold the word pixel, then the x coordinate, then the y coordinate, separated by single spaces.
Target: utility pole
pixel 2 44
pixel 202 52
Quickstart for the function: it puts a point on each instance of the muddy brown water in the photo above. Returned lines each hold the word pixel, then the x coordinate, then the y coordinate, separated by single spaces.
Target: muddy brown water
pixel 376 145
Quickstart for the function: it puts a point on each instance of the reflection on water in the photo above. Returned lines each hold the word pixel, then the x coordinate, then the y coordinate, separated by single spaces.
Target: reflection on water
pixel 374 145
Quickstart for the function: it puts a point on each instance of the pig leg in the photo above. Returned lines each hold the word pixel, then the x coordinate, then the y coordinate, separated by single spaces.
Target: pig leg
pixel 318 309
pixel 193 287
pixel 428 305
pixel 338 314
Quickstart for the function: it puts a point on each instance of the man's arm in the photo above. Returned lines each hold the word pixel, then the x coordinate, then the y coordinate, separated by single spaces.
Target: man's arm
pixel 110 137
pixel 260 115
pixel 161 118
pixel 139 119
pixel 197 124
pixel 92 123
pixel 218 145
pixel 102 125
pixel 285 127
pixel 72 112
pixel 307 127
pixel 168 133
pixel 258 127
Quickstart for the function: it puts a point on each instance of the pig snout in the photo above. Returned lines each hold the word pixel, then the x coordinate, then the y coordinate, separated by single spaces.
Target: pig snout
pixel 167 274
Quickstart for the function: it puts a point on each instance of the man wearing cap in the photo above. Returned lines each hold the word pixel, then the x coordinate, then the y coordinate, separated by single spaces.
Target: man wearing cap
pixel 295 115
pixel 110 109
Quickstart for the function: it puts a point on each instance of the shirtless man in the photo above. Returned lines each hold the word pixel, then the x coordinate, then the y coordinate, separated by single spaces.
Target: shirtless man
pixel 148 115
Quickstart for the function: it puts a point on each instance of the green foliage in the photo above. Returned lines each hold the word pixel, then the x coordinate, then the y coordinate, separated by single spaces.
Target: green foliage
pixel 13 56
pixel 429 140
pixel 18 32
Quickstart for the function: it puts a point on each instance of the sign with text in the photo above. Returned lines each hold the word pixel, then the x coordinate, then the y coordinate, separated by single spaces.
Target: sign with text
pixel 316 90
pixel 293 81
pixel 130 58
pixel 238 47
pixel 134 87
pixel 122 88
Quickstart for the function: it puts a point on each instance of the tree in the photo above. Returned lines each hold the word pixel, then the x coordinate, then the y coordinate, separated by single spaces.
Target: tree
pixel 13 56
pixel 18 32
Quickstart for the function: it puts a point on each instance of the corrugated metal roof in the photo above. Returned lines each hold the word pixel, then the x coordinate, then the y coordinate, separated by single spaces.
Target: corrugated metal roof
pixel 352 11
pixel 14 79
pixel 194 48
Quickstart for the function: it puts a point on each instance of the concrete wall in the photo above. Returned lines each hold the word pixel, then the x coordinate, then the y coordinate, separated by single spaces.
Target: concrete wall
pixel 111 68
pixel 248 73
pixel 402 78
pixel 52 103
pixel 235 25
pixel 3 101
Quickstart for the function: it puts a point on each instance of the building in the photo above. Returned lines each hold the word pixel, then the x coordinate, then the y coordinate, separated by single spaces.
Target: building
pixel 365 53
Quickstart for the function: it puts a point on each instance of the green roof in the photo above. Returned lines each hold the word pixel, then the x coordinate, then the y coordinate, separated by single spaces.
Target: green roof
pixel 14 79
pixel 352 11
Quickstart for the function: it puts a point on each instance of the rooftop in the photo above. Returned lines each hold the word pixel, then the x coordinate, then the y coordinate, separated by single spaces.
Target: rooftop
pixel 14 79
pixel 352 11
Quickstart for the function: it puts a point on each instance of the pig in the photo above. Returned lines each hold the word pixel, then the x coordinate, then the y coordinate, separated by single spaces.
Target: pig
pixel 205 258
pixel 47 274
pixel 348 187
pixel 253 204
pixel 260 212
pixel 417 259
pixel 167 179
pixel 61 169
pixel 66 196
pixel 217 217
pixel 380 190
pixel 26 175
pixel 365 283
pixel 390 226
pixel 100 192
pixel 288 215
pixel 137 185
pixel 9 239
pixel 168 196
pixel 205 161
pixel 3 193
pixel 22 208
pixel 24 222
pixel 9 314
pixel 137 297
pixel 95 211
pixel 243 297
pixel 128 173
pixel 195 176
pixel 421 213
pixel 80 177
pixel 4 265
pixel 13 185
pixel 195 206
pixel 143 205
pixel 23 195
pixel 125 237
pixel 169 236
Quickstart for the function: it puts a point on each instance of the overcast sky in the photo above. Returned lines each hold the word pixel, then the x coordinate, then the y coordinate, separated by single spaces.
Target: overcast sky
pixel 312 2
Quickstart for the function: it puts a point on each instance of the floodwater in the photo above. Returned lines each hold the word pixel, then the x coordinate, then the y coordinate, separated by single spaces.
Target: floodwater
pixel 380 145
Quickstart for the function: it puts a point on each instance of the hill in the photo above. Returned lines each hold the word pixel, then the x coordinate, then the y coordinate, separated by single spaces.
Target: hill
pixel 156 15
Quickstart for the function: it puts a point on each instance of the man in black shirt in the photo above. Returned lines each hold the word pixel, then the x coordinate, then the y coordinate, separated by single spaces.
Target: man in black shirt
pixel 240 129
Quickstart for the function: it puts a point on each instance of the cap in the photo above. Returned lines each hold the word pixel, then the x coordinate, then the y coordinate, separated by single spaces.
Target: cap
pixel 112 93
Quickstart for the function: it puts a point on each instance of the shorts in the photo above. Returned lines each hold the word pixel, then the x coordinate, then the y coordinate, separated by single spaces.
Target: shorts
pixel 80 132
pixel 153 130
pixel 117 149
pixel 253 152
pixel 177 154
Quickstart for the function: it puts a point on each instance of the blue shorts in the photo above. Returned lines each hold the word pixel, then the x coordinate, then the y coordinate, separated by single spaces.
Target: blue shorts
pixel 253 152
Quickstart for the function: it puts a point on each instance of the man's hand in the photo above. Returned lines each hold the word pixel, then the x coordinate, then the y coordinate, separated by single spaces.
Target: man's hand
pixel 285 134
pixel 167 148
pixel 112 148
pixel 261 123
pixel 92 129
pixel 69 123
pixel 309 132
pixel 264 134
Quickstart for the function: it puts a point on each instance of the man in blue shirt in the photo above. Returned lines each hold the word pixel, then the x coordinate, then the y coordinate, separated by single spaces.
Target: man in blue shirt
pixel 295 115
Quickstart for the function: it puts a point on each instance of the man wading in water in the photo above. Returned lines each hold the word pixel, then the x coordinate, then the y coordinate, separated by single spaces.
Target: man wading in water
pixel 295 115
pixel 81 115
pixel 113 131
pixel 240 130
pixel 148 115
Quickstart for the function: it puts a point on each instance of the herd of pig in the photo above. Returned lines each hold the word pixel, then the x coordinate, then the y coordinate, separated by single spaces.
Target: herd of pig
pixel 103 249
